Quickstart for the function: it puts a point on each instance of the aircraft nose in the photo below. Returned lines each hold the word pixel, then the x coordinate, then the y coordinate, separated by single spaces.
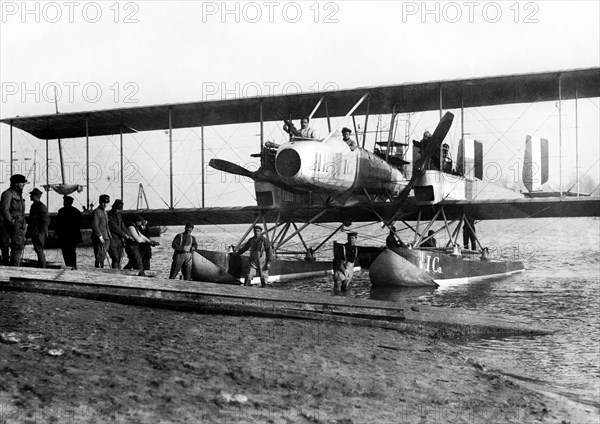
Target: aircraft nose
pixel 288 163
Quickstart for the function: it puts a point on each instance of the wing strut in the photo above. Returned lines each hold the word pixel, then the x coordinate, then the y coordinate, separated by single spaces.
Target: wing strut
pixel 341 121
pixel 313 219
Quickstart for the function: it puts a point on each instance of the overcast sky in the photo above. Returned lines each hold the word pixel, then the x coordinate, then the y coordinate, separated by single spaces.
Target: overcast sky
pixel 108 54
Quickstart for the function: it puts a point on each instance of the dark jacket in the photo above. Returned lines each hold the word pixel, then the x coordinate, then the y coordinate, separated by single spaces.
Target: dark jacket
pixel 12 207
pixel 100 224
pixel 38 220
pixel 68 225
pixel 116 225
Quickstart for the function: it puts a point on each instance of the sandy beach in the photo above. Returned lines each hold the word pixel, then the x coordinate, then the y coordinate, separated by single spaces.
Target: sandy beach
pixel 66 360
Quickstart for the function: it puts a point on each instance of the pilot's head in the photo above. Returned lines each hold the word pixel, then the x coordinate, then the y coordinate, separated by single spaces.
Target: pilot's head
pixel 346 133
pixel 426 134
pixel 304 122
pixel 257 230
pixel 352 238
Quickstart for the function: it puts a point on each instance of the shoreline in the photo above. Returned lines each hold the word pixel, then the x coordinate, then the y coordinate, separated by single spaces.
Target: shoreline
pixel 125 363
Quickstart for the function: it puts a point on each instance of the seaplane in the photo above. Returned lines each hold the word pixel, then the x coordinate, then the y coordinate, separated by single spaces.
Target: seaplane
pixel 303 182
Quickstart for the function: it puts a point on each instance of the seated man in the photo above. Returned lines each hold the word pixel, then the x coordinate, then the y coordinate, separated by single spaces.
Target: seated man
pixel 347 139
pixel 446 158
pixel 431 241
pixel 393 240
pixel 304 133
pixel 344 256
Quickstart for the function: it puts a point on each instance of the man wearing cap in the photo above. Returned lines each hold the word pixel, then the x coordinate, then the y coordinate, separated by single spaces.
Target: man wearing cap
pixel 37 229
pixel 183 244
pixel 68 231
pixel 119 234
pixel 100 231
pixel 12 208
pixel 349 141
pixel 260 257
pixel 344 256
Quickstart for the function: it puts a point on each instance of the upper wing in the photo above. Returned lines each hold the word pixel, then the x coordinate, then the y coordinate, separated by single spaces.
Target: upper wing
pixel 417 97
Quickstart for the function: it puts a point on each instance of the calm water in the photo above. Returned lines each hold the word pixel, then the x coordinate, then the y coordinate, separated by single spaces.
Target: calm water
pixel 560 288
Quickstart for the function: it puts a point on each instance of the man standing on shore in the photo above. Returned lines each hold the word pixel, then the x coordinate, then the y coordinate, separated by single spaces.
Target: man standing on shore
pixel 100 231
pixel 183 244
pixel 260 257
pixel 12 207
pixel 68 231
pixel 118 232
pixel 37 229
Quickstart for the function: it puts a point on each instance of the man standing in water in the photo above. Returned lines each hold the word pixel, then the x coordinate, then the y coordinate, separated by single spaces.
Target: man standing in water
pixel 183 244
pixel 260 257
pixel 344 256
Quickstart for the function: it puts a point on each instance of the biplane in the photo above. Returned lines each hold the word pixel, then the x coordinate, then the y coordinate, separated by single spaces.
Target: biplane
pixel 304 182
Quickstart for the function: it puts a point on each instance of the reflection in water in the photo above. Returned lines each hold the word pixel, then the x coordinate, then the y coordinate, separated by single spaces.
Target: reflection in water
pixel 401 294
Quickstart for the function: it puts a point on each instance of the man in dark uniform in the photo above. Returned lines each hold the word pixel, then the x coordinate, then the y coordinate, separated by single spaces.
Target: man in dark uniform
pixel 4 244
pixel 68 231
pixel 100 231
pixel 37 229
pixel 118 234
pixel 392 240
pixel 12 208
pixel 344 256
pixel 431 241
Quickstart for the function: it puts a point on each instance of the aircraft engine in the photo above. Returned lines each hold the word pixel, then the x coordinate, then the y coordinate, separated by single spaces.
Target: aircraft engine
pixel 332 168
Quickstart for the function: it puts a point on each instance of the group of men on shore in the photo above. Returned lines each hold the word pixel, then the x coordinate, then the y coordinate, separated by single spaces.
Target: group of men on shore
pixel 110 236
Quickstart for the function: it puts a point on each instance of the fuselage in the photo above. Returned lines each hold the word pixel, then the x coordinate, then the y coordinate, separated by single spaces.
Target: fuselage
pixel 332 168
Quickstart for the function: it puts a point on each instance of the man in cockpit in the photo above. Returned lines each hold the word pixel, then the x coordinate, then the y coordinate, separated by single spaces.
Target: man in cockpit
pixel 347 139
pixel 304 133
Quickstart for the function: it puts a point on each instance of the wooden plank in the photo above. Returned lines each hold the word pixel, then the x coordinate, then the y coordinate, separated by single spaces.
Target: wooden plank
pixel 242 300
pixel 101 278
pixel 201 303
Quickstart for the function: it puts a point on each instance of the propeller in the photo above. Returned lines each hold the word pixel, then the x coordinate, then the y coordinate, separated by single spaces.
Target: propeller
pixel 433 144
pixel 232 168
